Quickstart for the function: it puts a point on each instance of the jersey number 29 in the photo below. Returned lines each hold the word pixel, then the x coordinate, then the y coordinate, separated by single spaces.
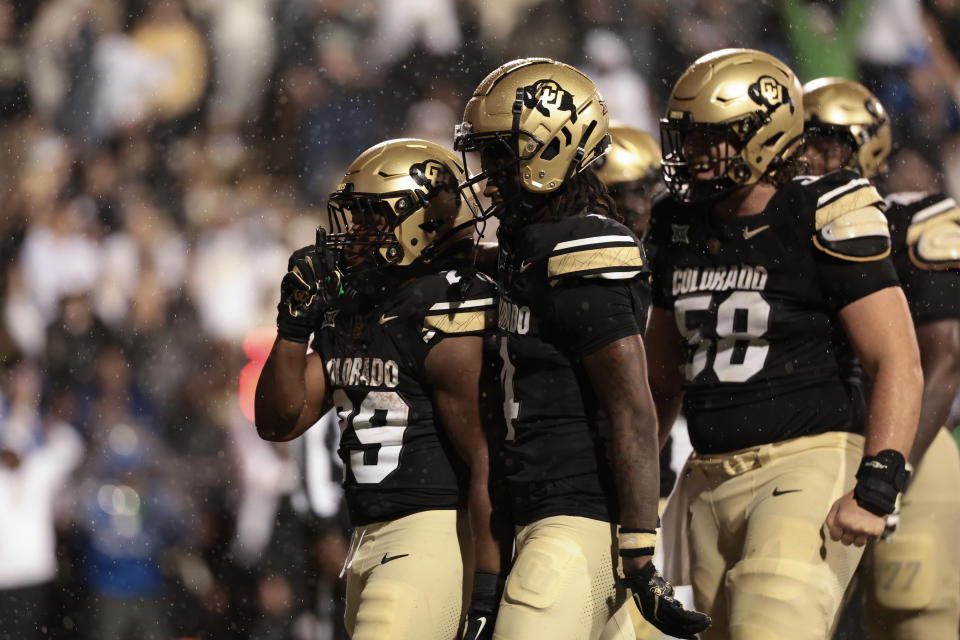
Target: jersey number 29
pixel 378 423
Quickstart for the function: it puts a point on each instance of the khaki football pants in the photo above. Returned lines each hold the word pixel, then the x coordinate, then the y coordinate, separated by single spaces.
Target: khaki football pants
pixel 563 583
pixel 763 564
pixel 406 580
pixel 912 579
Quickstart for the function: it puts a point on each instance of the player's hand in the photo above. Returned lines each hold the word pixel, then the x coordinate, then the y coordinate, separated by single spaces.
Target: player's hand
pixel 484 603
pixel 850 523
pixel 656 602
pixel 305 292
pixel 478 625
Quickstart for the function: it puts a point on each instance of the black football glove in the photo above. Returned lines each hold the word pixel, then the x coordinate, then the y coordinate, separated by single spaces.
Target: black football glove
pixel 484 602
pixel 311 283
pixel 655 600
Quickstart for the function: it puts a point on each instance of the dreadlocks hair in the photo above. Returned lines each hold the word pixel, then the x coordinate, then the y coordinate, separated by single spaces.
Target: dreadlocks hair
pixel 784 171
pixel 582 193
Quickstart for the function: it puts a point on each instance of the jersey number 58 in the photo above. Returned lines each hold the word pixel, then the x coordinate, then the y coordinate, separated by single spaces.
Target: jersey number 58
pixel 727 337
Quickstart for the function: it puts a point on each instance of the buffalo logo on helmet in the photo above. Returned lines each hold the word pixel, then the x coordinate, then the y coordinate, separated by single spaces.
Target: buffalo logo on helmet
pixel 545 94
pixel 770 93
pixel 434 176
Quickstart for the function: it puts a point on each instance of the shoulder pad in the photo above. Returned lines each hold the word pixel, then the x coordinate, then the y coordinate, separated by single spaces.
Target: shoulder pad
pixel 464 303
pixel 849 223
pixel 933 234
pixel 595 246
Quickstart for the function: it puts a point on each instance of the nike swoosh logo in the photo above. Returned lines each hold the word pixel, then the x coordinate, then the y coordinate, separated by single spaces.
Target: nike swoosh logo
pixel 384 319
pixel 483 623
pixel 525 265
pixel 749 233
pixel 387 558
pixel 777 492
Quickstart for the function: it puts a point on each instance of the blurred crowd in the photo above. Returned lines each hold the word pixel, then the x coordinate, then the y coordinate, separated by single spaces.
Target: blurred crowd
pixel 159 160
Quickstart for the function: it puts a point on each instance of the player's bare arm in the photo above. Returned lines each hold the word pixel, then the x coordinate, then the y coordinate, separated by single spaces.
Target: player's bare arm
pixel 454 369
pixel 939 344
pixel 618 375
pixel 881 332
pixel 291 393
pixel 463 394
pixel 665 360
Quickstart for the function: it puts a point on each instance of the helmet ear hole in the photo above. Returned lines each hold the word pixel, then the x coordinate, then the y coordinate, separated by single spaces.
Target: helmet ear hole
pixel 772 140
pixel 552 150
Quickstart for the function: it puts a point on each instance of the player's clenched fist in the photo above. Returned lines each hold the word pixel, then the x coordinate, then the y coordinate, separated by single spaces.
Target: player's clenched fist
pixel 304 293
pixel 656 602
pixel 860 516
pixel 850 523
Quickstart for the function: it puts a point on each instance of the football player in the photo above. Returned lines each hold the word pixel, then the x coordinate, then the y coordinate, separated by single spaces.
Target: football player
pixel 581 450
pixel 912 577
pixel 755 272
pixel 631 172
pixel 398 326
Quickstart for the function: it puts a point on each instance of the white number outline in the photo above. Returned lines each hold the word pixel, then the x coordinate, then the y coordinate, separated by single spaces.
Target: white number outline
pixel 389 436
pixel 511 407
pixel 718 353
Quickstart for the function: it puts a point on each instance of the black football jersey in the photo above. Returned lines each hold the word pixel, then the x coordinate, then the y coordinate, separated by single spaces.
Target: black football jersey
pixel 925 233
pixel 756 299
pixel 397 458
pixel 568 288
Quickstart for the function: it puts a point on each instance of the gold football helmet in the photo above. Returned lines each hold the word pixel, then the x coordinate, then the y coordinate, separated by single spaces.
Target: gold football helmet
pixel 841 108
pixel 634 155
pixel 733 116
pixel 399 204
pixel 631 172
pixel 545 115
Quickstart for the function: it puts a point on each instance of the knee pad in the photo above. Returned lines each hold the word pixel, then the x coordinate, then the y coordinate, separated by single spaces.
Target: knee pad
pixel 541 571
pixel 904 573
pixel 384 611
pixel 779 597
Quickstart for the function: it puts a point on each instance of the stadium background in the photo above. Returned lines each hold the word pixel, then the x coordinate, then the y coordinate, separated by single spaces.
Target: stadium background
pixel 159 160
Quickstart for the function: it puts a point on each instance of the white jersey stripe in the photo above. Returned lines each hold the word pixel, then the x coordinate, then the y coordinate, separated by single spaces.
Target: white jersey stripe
pixel 466 304
pixel 614 275
pixel 595 240
pixel 944 205
pixel 850 186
